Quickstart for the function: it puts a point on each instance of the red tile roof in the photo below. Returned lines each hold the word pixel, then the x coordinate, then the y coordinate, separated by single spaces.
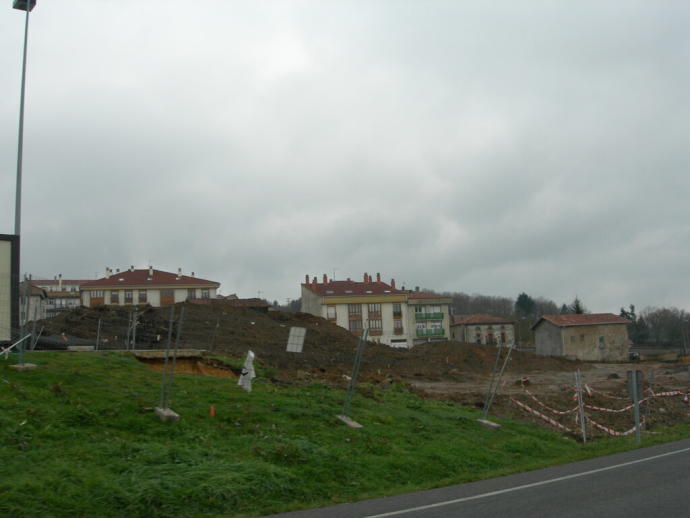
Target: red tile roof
pixel 583 320
pixel 457 320
pixel 349 288
pixel 142 278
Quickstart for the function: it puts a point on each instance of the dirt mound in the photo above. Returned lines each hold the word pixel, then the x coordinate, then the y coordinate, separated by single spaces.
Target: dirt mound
pixel 328 351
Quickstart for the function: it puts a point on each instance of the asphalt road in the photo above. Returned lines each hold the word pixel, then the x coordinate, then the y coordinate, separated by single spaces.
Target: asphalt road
pixel 646 483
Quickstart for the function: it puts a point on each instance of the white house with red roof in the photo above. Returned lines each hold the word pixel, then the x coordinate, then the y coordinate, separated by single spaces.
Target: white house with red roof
pixel 393 316
pixel 154 287
pixel 588 337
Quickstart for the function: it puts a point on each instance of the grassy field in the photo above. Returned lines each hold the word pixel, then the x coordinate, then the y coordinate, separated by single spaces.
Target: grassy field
pixel 78 438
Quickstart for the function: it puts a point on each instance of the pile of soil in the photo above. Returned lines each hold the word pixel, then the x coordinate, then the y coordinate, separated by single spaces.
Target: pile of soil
pixel 328 351
pixel 445 370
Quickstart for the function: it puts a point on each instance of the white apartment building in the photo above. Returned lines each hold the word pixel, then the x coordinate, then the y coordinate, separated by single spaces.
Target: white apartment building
pixel 148 286
pixel 395 317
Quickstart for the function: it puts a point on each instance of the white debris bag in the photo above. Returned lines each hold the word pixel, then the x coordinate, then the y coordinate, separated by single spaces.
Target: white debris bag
pixel 248 373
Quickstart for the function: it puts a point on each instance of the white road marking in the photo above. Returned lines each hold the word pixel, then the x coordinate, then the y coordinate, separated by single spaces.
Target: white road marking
pixel 525 486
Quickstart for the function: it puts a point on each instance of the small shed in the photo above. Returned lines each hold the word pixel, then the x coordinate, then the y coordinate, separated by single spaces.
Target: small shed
pixel 588 337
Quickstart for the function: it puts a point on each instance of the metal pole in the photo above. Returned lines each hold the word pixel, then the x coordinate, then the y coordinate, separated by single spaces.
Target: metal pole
pixel 20 140
pixel 33 324
pixel 355 372
pixel 134 331
pixel 485 410
pixel 33 345
pixel 498 382
pixel 636 403
pixel 177 344
pixel 98 335
pixel 213 336
pixel 580 405
pixel 165 363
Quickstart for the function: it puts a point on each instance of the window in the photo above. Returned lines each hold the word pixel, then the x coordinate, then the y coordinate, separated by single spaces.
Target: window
pixel 421 325
pixel 375 324
pixel 191 293
pixel 355 325
pixel 434 309
pixel 142 296
pixel 354 309
pixel 397 324
pixel 436 325
pixel 582 338
pixel 97 294
pixel 205 294
pixel 330 312
pixel 375 308
pixel 129 296
pixel 418 309
pixel 397 310
pixel 572 339
pixel 114 298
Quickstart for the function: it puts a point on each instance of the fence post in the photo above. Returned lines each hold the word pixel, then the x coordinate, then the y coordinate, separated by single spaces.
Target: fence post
pixel 164 385
pixel 580 405
pixel 636 403
pixel 98 334
pixel 347 404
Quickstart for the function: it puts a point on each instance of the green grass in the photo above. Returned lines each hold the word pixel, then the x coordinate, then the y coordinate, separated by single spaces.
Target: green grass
pixel 78 438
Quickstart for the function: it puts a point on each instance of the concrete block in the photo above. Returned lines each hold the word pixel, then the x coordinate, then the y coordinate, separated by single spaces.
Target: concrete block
pixel 488 424
pixel 166 414
pixel 349 422
pixel 23 366
pixel 80 348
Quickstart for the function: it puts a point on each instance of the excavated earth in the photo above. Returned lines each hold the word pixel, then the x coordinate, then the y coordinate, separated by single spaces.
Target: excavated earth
pixel 442 370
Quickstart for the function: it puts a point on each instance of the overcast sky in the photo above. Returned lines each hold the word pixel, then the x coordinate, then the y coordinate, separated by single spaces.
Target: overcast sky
pixel 484 147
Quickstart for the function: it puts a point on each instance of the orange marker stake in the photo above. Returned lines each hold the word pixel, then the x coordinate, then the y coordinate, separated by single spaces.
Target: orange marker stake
pixel 212 411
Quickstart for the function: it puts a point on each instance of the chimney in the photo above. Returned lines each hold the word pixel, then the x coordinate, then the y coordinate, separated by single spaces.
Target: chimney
pixel 306 279
pixel 315 283
pixel 117 270
pixel 179 273
pixel 378 277
pixel 192 274
pixel 131 267
pixel 325 278
pixel 393 283
pixel 59 282
pixel 150 271
pixel 349 280
pixel 366 277
pixel 107 272
pixel 416 288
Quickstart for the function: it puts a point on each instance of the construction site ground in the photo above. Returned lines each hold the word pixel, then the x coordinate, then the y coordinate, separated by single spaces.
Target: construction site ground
pixel 443 370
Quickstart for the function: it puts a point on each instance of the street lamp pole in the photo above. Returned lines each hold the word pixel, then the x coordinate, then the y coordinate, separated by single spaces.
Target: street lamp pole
pixel 22 5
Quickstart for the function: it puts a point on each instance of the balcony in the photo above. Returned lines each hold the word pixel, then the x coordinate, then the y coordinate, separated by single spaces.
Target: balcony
pixel 428 316
pixel 398 331
pixel 375 332
pixel 431 332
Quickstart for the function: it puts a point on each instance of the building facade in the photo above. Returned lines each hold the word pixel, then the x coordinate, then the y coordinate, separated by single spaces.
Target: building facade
pixel 482 329
pixel 61 294
pixel 393 316
pixel 590 337
pixel 428 317
pixel 139 287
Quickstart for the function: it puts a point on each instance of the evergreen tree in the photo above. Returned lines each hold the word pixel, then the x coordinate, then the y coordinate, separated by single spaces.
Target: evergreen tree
pixel 524 305
pixel 577 307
